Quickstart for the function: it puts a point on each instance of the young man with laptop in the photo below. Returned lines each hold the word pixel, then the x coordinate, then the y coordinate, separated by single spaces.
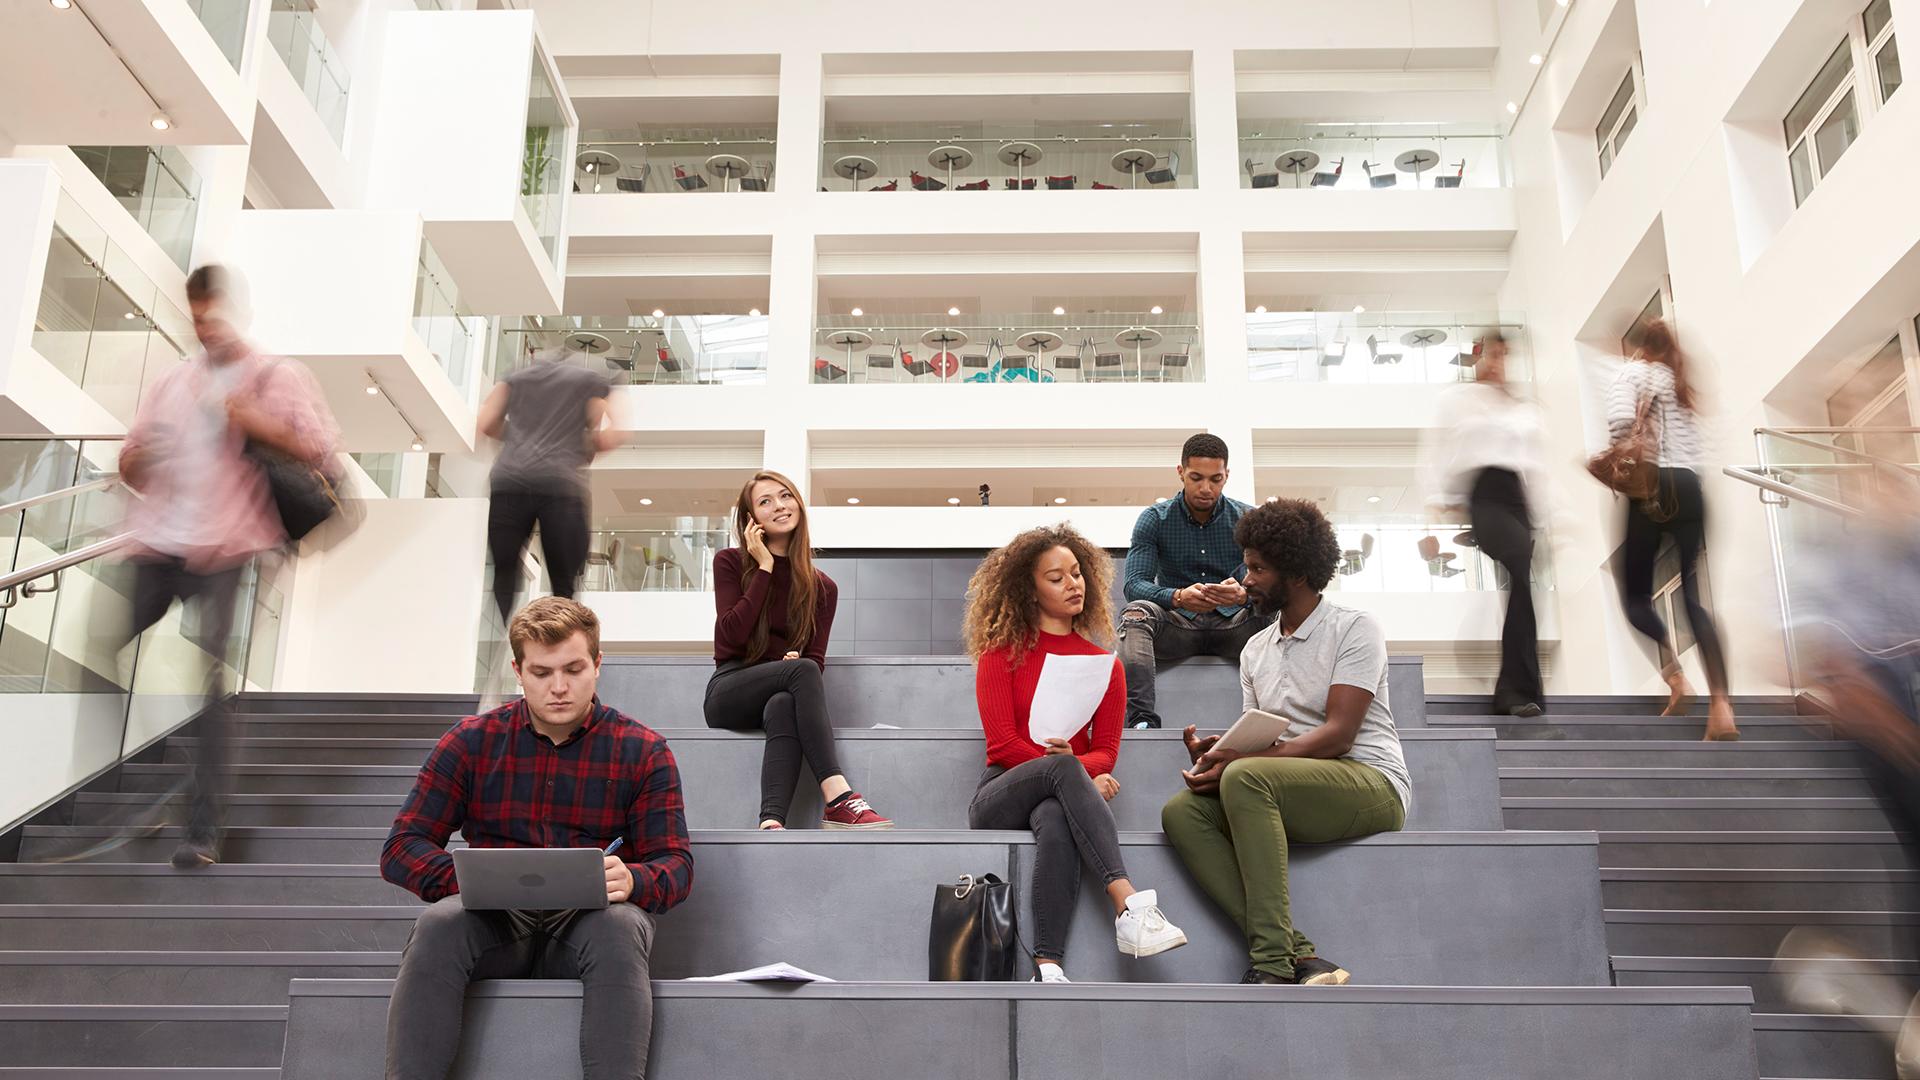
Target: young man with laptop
pixel 1327 768
pixel 577 837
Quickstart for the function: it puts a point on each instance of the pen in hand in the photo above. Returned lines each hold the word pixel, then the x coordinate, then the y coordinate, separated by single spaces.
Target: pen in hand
pixel 615 846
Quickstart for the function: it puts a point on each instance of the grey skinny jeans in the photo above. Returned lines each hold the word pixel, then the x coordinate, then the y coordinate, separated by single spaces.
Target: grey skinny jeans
pixel 1055 798
pixel 606 949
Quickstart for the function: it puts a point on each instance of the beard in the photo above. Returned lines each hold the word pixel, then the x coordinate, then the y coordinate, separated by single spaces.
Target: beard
pixel 1263 603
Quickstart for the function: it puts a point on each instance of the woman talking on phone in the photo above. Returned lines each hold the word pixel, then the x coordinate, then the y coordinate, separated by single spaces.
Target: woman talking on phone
pixel 774 614
pixel 1031 607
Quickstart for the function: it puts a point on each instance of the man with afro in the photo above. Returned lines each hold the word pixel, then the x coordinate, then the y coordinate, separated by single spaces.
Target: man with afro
pixel 1336 775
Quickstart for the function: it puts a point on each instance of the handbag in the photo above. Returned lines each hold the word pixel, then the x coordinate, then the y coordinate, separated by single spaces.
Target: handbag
pixel 974 933
pixel 304 496
pixel 1630 463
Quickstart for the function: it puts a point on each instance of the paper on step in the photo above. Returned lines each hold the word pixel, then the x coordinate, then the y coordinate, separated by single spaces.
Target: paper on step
pixel 1070 689
pixel 776 972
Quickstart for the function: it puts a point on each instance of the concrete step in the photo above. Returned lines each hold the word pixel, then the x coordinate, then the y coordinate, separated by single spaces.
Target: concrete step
pixel 284 702
pixel 978 1031
pixel 1682 782
pixel 1825 1047
pixel 921 778
pixel 1688 814
pixel 206 927
pixel 350 725
pixel 241 845
pixel 1627 726
pixel 1619 704
pixel 55 1072
pixel 1518 909
pixel 1677 754
pixel 1756 850
pixel 1878 934
pixel 281 779
pixel 1754 972
pixel 140 977
pixel 200 1037
pixel 1758 890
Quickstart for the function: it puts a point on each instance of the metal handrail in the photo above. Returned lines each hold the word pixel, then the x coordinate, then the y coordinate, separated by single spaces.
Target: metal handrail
pixel 1792 435
pixel 20 582
pixel 78 489
pixel 1787 490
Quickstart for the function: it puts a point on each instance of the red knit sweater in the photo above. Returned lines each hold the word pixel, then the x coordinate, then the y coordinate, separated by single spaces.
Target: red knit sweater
pixel 737 610
pixel 1006 696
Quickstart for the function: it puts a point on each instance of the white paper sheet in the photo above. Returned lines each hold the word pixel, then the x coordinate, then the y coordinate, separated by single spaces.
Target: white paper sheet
pixel 775 972
pixel 1070 689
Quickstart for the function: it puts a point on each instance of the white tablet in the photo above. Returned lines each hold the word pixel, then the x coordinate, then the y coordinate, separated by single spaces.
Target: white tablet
pixel 1254 731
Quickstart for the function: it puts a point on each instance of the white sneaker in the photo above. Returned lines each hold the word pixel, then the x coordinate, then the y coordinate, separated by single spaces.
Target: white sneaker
pixel 1050 973
pixel 1142 930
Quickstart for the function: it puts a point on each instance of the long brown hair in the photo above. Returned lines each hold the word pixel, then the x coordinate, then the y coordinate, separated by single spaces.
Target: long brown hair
pixel 1659 345
pixel 806 582
pixel 1003 606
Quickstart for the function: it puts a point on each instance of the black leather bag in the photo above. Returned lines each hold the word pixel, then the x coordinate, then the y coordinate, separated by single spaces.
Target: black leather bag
pixel 974 935
pixel 302 495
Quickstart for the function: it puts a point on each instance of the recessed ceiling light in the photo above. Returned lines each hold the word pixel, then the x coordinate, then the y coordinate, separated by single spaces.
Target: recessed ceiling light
pixel 853 500
pixel 1259 309
pixel 953 500
pixel 1513 107
pixel 1154 310
pixel 1059 499
pixel 953 311
pixel 372 390
pixel 646 502
pixel 1161 499
pixel 1535 59
pixel 753 312
pixel 127 315
pixel 160 121
pixel 1059 311
pixel 1373 498
pixel 658 314
pixel 62 5
pixel 856 313
pixel 1359 309
pixel 1273 498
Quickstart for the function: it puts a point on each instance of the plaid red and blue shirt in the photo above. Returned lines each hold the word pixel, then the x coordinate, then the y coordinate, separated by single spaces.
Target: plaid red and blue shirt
pixel 504 785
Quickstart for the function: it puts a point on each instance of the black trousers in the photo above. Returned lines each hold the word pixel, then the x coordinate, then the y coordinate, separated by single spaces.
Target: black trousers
pixel 157 583
pixel 511 516
pixel 1503 528
pixel 1688 527
pixel 787 700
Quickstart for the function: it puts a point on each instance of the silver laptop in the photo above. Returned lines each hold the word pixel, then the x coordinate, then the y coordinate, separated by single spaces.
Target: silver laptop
pixel 530 879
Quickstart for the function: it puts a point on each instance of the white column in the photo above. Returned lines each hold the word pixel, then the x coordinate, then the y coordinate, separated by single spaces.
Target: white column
pixel 785 451
pixel 790 288
pixel 1216 119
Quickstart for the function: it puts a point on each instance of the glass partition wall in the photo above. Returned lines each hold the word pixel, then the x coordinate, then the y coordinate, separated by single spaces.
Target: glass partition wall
pixel 644 350
pixel 449 331
pixel 699 161
pixel 1349 156
pixel 295 33
pixel 226 23
pixel 101 322
pixel 1376 347
pixel 157 186
pixel 1120 346
pixel 543 165
pixel 1025 155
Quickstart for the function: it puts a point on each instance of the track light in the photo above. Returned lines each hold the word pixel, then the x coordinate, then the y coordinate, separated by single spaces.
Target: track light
pixel 646 502
pixel 658 314
pixel 953 500
pixel 853 500
pixel 1513 107
pixel 1059 499
pixel 417 445
pixel 1359 309
pixel 953 311
pixel 160 121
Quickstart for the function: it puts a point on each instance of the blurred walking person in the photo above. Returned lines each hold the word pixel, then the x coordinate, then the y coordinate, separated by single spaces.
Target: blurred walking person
pixel 1656 380
pixel 548 417
pixel 1488 460
pixel 206 507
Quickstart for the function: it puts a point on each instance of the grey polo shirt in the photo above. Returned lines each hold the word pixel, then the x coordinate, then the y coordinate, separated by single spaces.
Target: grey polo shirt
pixel 1289 675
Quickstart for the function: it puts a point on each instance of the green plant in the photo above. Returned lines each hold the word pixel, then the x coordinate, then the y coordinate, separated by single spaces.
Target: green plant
pixel 533 166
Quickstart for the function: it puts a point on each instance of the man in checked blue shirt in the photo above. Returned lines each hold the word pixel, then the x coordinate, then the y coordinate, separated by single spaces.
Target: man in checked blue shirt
pixel 1184 596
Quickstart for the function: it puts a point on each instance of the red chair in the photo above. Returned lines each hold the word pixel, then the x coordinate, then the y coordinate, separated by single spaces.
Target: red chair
pixel 1061 183
pixel 1020 185
pixel 688 183
pixel 926 183
pixel 891 185
pixel 1098 186
pixel 977 185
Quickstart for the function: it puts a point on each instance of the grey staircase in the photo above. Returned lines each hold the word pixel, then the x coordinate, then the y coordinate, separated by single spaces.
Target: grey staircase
pixel 121 964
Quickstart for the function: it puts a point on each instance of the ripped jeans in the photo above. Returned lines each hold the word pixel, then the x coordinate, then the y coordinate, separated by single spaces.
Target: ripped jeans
pixel 1151 634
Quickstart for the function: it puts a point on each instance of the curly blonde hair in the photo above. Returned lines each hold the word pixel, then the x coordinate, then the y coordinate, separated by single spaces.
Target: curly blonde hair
pixel 1003 606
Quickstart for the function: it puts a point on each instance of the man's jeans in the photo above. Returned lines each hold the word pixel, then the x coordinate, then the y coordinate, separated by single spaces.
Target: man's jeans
pixel 1151 635
pixel 606 949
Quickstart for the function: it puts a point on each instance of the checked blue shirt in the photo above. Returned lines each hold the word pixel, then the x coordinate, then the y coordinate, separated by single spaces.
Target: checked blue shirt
pixel 1170 550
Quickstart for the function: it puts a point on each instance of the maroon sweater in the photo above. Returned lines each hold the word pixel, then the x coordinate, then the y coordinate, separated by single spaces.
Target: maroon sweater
pixel 739 609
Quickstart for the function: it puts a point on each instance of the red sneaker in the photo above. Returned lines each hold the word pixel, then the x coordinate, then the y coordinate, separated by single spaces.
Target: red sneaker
pixel 852 812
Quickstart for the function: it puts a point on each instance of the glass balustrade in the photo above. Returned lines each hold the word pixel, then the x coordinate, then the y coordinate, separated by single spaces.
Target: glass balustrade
pixel 1369 347
pixel 1421 557
pixel 1124 346
pixel 645 351
pixel 101 321
pixel 294 31
pixel 157 186
pixel 675 160
pixel 1370 157
pixel 452 334
pixel 226 23
pixel 542 165
pixel 1030 155
pixel 676 555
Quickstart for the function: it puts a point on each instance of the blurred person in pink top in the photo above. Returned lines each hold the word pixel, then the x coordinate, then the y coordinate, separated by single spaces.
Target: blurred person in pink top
pixel 205 509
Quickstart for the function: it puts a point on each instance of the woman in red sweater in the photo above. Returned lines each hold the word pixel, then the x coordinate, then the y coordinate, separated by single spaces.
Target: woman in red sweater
pixel 774 612
pixel 1033 603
